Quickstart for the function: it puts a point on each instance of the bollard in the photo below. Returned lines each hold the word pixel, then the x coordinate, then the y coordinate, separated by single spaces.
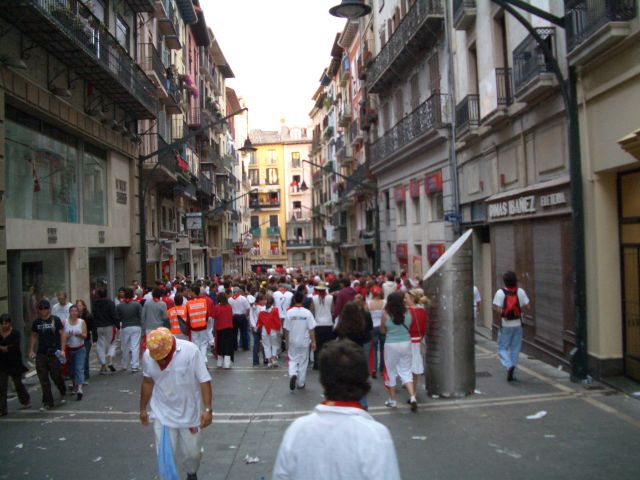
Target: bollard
pixel 450 363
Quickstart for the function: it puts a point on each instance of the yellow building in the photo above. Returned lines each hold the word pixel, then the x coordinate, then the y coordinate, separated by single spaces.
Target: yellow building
pixel 267 201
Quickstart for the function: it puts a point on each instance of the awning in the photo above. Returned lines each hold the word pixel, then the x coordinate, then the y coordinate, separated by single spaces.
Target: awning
pixel 531 188
pixel 631 143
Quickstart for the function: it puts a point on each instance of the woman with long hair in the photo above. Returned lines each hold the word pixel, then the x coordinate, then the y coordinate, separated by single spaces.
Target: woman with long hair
pixel 416 302
pixel 395 324
pixel 92 334
pixel 75 331
pixel 223 322
pixel 376 308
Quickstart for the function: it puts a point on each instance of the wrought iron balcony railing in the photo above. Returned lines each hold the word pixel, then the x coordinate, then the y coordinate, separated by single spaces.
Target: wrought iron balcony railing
pixel 432 114
pixel 416 32
pixel 503 86
pixel 273 231
pixel 299 242
pixel 467 114
pixel 584 17
pixel 256 232
pixel 69 31
pixel 204 184
pixel 528 58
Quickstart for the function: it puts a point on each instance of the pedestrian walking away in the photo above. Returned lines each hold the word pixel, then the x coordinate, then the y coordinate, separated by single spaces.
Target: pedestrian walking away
pixel 92 334
pixel 416 302
pixel 176 388
pixel 223 322
pixel 240 306
pixel 299 331
pixel 508 303
pixel 75 331
pixel 269 325
pixel 130 315
pixel 341 441
pixel 48 331
pixel 106 320
pixel 323 312
pixel 375 306
pixel 198 314
pixel 178 318
pixel 11 366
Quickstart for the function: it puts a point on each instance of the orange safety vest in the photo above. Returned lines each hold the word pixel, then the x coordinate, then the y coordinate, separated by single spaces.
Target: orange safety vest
pixel 174 313
pixel 197 312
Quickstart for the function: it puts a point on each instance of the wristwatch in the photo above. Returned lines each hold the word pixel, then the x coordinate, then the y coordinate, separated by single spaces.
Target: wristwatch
pixel 208 410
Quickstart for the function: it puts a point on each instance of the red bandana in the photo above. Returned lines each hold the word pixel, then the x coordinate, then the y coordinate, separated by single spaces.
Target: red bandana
pixel 164 363
pixel 339 403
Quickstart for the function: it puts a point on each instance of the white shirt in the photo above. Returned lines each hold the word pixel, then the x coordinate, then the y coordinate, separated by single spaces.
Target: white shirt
pixel 253 315
pixel 177 400
pixel 322 310
pixel 62 311
pixel 476 296
pixel 498 301
pixel 299 321
pixel 148 297
pixel 240 305
pixel 388 288
pixel 74 341
pixel 336 443
pixel 282 301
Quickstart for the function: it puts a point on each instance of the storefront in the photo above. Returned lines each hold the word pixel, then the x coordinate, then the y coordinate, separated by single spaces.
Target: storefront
pixel 531 234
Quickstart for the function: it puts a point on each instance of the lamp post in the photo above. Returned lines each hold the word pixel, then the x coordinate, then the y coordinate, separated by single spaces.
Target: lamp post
pixel 350 9
pixel 376 226
pixel 579 358
pixel 143 186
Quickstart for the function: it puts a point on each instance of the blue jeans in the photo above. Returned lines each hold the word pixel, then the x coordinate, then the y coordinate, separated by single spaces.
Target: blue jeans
pixel 377 343
pixel 257 336
pixel 76 365
pixel 87 347
pixel 509 345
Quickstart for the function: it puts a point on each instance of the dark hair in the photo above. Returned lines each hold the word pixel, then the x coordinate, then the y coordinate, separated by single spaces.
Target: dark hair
pixel 298 297
pixel 196 290
pixel 269 303
pixel 101 292
pixel 345 282
pixel 510 279
pixel 156 292
pixel 222 298
pixel 351 322
pixel 395 307
pixel 344 372
pixel 177 299
pixel 5 317
pixel 128 293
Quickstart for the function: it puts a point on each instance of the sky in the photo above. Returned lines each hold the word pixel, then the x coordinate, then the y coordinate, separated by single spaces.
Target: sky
pixel 277 50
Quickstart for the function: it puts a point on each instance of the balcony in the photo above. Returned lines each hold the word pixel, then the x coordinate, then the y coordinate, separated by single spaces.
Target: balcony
pixel 195 119
pixel 345 117
pixel 168 23
pixel 299 243
pixel 71 33
pixel 256 232
pixel 504 98
pixel 163 168
pixel 594 26
pixel 205 185
pixel 154 68
pixel 464 13
pixel 468 116
pixel 416 33
pixel 532 75
pixel 424 120
pixel 262 201
pixel 273 231
pixel 344 156
pixel 319 241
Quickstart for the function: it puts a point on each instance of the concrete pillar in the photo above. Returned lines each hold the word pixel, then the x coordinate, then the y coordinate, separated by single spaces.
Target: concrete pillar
pixel 450 365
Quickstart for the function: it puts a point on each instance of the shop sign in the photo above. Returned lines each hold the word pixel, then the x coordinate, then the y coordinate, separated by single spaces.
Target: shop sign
pixel 434 252
pixel 399 193
pixel 414 188
pixel 194 220
pixel 526 205
pixel 182 256
pixel 433 183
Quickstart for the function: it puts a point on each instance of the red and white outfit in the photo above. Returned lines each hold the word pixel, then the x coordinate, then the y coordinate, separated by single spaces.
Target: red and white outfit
pixel 282 300
pixel 299 322
pixel 269 321
pixel 417 330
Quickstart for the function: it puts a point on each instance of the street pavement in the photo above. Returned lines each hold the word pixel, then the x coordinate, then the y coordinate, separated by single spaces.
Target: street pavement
pixel 586 433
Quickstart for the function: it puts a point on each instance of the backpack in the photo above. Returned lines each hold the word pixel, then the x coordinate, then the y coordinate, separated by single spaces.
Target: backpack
pixel 511 307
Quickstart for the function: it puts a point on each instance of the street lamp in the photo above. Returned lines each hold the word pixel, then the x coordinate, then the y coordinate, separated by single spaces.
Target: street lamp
pixel 142 186
pixel 350 9
pixel 371 188
pixel 248 146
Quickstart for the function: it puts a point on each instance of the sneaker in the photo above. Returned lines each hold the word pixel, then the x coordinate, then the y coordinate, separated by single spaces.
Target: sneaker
pixel 510 374
pixel 301 387
pixel 25 407
pixel 192 476
pixel 391 403
pixel 292 382
pixel 135 370
pixel 79 396
pixel 414 404
pixel 112 368
pixel 46 408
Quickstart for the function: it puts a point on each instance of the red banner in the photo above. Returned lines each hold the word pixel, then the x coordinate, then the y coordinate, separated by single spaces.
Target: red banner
pixel 433 183
pixel 399 193
pixel 414 188
pixel 434 252
pixel 182 163
pixel 402 252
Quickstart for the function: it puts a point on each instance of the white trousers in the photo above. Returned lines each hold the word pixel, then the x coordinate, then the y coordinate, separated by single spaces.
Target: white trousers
pixel 106 344
pixel 130 346
pixel 200 339
pixel 270 343
pixel 397 362
pixel 189 444
pixel 298 362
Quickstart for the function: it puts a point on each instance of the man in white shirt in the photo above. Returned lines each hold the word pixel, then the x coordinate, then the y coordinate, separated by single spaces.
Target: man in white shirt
pixel 389 286
pixel 299 333
pixel 508 302
pixel 282 300
pixel 61 309
pixel 338 440
pixel 177 387
pixel 477 299
pixel 240 307
pixel 323 312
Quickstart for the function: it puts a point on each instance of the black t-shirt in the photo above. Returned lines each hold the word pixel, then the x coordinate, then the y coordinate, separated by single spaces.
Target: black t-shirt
pixel 11 361
pixel 48 334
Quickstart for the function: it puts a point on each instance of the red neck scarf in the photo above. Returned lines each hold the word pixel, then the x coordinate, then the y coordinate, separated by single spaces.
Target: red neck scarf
pixel 127 300
pixel 282 289
pixel 164 363
pixel 235 296
pixel 340 403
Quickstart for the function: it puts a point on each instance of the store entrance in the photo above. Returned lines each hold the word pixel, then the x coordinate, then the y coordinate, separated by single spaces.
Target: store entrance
pixel 630 247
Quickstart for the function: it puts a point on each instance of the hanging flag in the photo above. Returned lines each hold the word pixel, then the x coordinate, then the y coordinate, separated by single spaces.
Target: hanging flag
pixel 182 164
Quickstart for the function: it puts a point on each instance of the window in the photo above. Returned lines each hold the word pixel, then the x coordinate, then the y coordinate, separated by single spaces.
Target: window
pixel 273 220
pixel 387 206
pixel 437 209
pixel 386 116
pixel 295 184
pixel 122 32
pixel 253 159
pixel 272 176
pixel 415 92
pixel 255 221
pixel 295 160
pixel 97 8
pixel 399 101
pixel 401 213
pixel 254 177
pixel 94 186
pixel 417 213
pixel 274 200
pixel 434 73
pixel 271 156
pixel 297 210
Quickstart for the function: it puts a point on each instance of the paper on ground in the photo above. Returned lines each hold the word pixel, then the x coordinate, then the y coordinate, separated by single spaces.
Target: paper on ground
pixel 537 416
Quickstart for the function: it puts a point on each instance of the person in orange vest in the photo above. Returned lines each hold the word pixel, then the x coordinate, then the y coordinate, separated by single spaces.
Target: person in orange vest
pixel 178 319
pixel 199 316
pixel 210 305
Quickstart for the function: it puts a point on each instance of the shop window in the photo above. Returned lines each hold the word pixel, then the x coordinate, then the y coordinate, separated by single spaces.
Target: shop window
pixel 437 208
pixel 94 186
pixel 417 211
pixel 41 172
pixel 401 213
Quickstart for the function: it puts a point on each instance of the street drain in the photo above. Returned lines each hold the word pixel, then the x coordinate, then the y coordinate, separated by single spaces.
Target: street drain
pixel 483 374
